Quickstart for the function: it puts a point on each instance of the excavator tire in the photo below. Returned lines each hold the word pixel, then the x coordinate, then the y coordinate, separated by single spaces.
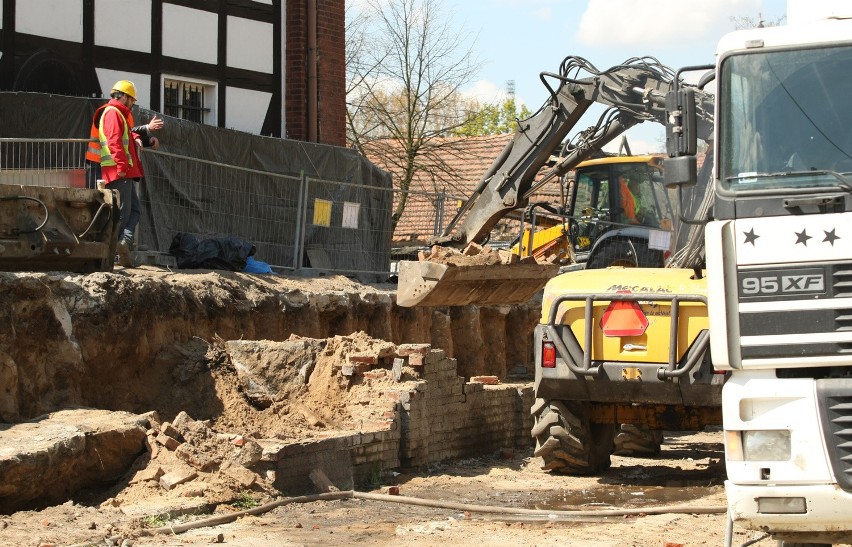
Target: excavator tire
pixel 637 440
pixel 567 442
pixel 613 253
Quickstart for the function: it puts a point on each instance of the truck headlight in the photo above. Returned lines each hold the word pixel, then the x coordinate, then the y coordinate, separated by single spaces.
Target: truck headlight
pixel 771 445
pixel 758 445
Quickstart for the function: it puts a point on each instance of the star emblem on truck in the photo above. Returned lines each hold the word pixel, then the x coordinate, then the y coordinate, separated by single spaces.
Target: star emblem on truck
pixel 750 237
pixel 831 237
pixel 802 237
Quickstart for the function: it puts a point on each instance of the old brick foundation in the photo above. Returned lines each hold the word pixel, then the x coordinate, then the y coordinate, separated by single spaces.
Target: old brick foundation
pixel 442 417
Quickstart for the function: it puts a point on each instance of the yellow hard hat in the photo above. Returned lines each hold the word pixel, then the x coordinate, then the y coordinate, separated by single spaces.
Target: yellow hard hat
pixel 126 87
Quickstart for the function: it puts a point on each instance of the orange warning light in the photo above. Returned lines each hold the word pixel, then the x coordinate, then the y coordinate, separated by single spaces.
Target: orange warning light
pixel 624 318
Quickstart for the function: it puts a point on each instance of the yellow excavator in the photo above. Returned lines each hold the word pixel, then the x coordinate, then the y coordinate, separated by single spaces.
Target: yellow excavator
pixel 615 204
pixel 621 351
pixel 603 234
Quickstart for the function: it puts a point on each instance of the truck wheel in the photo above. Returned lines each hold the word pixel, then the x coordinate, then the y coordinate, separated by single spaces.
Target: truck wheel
pixel 637 440
pixel 566 440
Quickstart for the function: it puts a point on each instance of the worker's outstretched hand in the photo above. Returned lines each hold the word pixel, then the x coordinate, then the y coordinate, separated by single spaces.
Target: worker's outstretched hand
pixel 155 123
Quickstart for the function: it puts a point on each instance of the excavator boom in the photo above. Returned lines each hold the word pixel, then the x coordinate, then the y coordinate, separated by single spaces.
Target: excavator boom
pixel 635 91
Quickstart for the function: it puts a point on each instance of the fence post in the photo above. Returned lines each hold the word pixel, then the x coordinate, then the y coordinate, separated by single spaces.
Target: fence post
pixel 301 206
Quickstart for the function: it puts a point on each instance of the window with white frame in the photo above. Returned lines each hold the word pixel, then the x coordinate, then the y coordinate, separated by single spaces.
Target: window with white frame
pixel 191 100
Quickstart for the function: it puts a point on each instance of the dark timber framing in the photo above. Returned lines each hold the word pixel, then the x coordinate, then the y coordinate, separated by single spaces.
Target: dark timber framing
pixel 82 58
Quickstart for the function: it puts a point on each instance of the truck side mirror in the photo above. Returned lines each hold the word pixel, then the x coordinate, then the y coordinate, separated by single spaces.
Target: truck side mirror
pixel 681 126
pixel 680 171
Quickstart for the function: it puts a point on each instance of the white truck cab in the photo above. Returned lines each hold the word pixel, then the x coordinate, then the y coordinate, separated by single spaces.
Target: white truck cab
pixel 779 271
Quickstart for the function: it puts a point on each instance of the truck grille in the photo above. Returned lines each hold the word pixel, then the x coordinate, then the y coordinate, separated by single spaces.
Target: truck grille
pixel 835 400
pixel 842 281
pixel 801 319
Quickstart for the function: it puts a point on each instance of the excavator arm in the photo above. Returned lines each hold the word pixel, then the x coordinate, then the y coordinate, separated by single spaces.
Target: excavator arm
pixel 634 91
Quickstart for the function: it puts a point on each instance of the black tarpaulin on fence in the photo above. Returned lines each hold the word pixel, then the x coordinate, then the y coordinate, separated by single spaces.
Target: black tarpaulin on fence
pixel 343 173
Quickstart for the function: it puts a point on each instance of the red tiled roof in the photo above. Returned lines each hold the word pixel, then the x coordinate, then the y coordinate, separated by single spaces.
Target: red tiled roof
pixel 453 165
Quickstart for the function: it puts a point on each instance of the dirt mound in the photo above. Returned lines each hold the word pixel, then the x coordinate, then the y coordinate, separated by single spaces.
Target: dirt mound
pixel 268 392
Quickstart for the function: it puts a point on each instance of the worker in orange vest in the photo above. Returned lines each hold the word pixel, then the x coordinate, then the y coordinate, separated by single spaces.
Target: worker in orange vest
pixel 93 152
pixel 119 160
pixel 628 202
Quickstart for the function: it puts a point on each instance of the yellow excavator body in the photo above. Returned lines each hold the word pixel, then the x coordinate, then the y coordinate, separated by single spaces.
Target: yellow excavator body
pixel 632 331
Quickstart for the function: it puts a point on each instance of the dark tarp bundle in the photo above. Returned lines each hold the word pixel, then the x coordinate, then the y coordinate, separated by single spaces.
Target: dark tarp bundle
pixel 221 253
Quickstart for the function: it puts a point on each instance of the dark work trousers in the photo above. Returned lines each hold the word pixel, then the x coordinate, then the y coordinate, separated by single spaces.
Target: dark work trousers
pixel 129 201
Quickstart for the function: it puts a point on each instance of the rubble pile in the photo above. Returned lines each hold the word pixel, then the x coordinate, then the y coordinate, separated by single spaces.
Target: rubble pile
pixel 473 255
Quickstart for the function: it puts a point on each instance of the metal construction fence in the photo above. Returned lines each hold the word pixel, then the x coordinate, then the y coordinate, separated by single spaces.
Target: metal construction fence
pixel 294 222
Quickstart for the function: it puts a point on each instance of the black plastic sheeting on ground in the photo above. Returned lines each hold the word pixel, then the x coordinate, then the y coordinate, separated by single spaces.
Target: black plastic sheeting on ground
pixel 345 175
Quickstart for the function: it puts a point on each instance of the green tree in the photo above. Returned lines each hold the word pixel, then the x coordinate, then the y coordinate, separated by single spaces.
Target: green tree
pixel 493 119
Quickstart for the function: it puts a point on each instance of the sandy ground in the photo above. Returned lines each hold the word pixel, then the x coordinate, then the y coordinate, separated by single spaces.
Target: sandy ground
pixel 688 472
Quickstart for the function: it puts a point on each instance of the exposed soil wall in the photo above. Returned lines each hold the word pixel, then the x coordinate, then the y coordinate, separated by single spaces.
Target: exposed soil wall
pixel 129 340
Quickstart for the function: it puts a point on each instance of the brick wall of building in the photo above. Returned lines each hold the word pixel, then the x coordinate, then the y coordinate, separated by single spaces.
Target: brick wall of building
pixel 331 71
pixel 331 56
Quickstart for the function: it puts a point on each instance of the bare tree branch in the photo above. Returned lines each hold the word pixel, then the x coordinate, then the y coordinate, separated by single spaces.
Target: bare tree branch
pixel 405 69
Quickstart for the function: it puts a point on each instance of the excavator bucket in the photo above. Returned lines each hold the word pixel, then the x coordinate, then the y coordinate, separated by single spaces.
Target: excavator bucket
pixel 434 284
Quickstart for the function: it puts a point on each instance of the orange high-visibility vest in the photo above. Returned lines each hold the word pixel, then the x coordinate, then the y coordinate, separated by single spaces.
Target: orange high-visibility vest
pixel 93 152
pixel 628 203
pixel 106 155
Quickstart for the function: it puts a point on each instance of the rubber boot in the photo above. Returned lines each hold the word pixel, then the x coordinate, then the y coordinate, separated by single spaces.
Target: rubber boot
pixel 122 252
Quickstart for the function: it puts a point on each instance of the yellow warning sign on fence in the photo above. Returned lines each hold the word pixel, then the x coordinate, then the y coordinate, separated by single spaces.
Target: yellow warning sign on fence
pixel 322 212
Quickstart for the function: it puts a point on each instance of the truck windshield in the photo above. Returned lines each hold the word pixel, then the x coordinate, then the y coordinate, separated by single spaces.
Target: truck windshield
pixel 786 119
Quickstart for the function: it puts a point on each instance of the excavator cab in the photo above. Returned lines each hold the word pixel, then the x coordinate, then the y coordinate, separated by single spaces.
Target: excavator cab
pixel 624 216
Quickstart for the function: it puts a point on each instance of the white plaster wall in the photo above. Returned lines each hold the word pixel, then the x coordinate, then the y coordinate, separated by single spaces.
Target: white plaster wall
pixel 189 34
pixel 111 16
pixel 250 44
pixel 246 109
pixel 65 21
pixel 107 78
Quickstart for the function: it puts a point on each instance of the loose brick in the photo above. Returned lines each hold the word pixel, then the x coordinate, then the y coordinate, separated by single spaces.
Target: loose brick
pixel 472 249
pixel 361 368
pixel 487 380
pixel 407 349
pixel 368 359
pixel 171 431
pixel 150 473
pixel 169 442
pixel 243 476
pixel 174 478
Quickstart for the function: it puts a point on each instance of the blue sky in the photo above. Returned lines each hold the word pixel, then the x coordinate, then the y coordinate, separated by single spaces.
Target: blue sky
pixel 518 39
